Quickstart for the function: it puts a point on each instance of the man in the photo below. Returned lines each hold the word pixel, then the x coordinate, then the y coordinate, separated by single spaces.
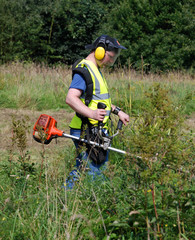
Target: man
pixel 87 77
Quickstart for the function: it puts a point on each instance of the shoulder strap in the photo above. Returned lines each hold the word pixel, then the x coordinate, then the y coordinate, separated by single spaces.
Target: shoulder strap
pixel 84 72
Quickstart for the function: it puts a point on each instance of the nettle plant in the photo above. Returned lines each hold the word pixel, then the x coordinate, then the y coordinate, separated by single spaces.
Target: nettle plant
pixel 20 165
pixel 161 177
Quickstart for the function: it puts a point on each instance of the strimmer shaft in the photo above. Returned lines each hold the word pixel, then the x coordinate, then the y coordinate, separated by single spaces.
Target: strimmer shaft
pixel 92 143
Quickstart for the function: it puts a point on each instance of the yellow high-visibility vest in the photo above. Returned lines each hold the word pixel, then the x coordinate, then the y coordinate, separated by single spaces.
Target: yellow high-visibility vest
pixel 100 94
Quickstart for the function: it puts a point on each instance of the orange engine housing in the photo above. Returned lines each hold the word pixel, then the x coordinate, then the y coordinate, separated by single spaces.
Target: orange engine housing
pixel 48 125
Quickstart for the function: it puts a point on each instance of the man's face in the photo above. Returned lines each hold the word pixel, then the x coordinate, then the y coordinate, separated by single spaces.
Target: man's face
pixel 109 58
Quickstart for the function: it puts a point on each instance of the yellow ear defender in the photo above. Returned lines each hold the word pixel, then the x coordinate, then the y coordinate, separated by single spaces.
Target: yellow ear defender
pixel 100 49
pixel 99 53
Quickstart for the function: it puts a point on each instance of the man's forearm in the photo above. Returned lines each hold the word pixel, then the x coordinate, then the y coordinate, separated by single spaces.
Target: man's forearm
pixel 78 106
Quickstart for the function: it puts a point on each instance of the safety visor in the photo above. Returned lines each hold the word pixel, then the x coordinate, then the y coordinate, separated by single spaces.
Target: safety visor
pixel 113 55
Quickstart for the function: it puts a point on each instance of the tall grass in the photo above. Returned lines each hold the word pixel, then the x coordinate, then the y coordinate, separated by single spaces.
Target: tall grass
pixel 33 86
pixel 38 87
pixel 128 87
pixel 145 197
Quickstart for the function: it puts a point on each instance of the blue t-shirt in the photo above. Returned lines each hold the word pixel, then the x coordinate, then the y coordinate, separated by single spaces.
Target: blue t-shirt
pixel 78 82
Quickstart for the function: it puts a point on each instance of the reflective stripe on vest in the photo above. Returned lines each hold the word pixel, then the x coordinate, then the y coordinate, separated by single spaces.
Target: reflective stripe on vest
pixel 100 94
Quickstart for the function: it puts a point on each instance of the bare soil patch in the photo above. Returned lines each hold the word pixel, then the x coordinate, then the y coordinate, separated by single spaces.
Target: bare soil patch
pixel 190 122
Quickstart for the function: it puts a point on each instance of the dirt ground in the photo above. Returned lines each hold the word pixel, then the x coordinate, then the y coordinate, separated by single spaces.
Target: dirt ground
pixel 190 122
pixel 62 116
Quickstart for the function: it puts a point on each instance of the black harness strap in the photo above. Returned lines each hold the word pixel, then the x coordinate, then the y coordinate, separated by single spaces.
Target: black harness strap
pixel 84 72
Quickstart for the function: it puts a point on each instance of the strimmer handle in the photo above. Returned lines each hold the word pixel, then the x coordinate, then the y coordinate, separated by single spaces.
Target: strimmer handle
pixel 120 124
pixel 101 106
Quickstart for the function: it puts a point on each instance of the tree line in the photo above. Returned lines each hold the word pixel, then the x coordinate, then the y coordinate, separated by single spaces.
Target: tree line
pixel 159 35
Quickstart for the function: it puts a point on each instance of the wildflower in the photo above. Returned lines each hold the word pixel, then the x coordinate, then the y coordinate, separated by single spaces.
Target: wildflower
pixel 166 225
pixel 3 219
pixel 149 190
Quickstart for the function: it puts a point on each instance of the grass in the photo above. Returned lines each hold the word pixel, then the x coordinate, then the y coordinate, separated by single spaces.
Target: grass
pixel 147 198
pixel 33 87
pixel 30 86
pixel 132 85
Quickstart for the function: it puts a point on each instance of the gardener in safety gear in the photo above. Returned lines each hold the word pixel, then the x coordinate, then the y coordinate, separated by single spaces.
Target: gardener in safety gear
pixel 87 89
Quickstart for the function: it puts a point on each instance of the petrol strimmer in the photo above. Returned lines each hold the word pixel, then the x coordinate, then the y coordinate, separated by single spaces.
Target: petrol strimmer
pixel 45 129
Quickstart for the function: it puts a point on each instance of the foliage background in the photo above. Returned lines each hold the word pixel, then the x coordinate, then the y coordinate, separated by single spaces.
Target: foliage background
pixel 159 35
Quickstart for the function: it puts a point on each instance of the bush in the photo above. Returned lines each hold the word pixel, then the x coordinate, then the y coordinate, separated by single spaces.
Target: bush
pixel 159 35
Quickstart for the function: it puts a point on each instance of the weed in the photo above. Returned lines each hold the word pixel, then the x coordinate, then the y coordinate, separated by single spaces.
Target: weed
pixel 19 139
